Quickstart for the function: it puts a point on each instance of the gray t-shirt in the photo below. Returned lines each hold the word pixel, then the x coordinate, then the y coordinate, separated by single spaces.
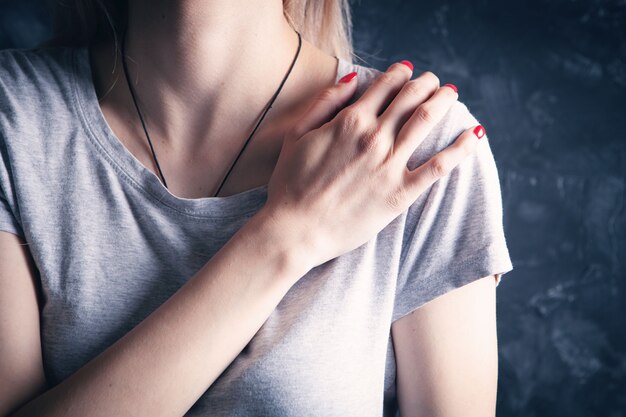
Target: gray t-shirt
pixel 111 244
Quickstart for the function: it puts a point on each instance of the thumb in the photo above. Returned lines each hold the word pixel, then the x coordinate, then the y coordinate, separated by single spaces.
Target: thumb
pixel 325 105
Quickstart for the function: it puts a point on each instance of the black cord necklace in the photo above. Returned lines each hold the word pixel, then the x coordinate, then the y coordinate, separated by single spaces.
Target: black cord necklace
pixel 267 108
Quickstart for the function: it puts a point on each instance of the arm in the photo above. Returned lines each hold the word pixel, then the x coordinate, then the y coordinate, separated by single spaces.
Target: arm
pixel 163 365
pixel 21 366
pixel 447 356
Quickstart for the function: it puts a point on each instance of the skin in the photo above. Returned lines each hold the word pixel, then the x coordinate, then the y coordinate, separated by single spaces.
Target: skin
pixel 310 152
pixel 204 66
pixel 447 355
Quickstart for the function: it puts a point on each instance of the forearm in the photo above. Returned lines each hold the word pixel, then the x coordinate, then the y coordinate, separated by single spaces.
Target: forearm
pixel 164 364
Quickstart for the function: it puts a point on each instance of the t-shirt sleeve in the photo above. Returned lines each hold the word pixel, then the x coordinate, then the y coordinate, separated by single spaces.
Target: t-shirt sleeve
pixel 8 223
pixel 453 232
pixel 8 220
pixel 8 208
pixel 9 216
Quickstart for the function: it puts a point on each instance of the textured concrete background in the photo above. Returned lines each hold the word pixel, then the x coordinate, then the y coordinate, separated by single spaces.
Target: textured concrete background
pixel 547 78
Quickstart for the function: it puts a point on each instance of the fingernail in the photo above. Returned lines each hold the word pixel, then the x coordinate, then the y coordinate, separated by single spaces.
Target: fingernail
pixel 408 64
pixel 479 131
pixel 348 77
pixel 452 86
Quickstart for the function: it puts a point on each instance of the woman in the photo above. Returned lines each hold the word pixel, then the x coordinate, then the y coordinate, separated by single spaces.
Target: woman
pixel 312 277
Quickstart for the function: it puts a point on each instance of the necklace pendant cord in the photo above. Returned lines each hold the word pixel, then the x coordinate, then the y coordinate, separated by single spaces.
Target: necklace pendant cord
pixel 267 108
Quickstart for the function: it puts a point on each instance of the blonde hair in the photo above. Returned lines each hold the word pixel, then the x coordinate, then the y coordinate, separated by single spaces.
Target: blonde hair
pixel 327 24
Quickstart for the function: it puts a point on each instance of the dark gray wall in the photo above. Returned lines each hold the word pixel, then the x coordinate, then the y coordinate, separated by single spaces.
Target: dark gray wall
pixel 547 78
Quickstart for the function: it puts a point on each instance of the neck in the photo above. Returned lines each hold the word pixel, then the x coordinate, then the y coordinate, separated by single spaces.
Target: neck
pixel 190 45
pixel 222 58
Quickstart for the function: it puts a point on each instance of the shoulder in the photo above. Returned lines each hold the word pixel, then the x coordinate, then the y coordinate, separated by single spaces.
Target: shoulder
pixel 457 119
pixel 35 86
pixel 27 66
pixel 28 74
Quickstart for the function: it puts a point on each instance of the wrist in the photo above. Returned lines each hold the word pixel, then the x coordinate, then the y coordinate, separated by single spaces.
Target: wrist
pixel 282 239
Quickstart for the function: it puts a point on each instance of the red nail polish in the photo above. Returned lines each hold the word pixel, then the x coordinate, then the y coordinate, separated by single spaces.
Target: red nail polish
pixel 452 86
pixel 408 64
pixel 348 77
pixel 479 131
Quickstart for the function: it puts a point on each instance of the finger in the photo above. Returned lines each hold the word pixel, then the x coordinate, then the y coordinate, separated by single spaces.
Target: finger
pixel 422 121
pixel 412 94
pixel 385 87
pixel 422 177
pixel 325 105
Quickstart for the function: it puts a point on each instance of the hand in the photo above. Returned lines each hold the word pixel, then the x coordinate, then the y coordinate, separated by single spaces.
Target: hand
pixel 342 174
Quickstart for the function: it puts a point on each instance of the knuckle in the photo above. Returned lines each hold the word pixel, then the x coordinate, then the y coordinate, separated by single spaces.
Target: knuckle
pixel 413 88
pixel 396 199
pixel 388 79
pixel 430 77
pixel 424 114
pixel 438 167
pixel 327 94
pixel 370 139
pixel 350 120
